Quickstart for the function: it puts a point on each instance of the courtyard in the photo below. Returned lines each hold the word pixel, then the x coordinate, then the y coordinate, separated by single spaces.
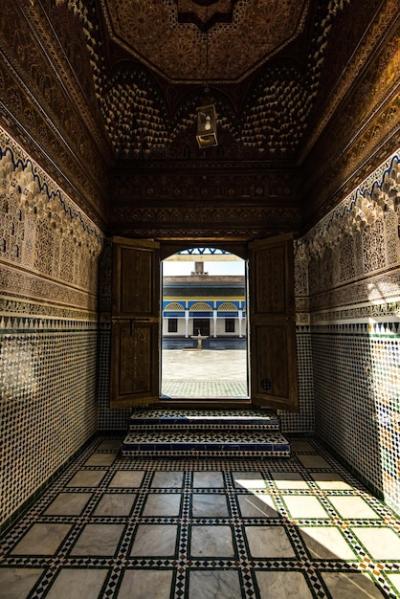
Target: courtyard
pixel 206 373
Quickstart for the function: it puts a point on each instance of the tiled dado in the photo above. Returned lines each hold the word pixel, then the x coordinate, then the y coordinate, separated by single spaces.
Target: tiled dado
pixel 110 526
pixel 48 400
pixel 357 399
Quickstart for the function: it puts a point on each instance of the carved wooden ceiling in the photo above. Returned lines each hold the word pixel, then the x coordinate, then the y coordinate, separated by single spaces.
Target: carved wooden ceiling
pixel 102 95
pixel 193 41
pixel 264 61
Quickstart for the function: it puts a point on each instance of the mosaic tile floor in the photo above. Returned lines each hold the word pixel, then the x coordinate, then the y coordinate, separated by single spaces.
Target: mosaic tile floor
pixel 203 529
pixel 213 373
pixel 204 389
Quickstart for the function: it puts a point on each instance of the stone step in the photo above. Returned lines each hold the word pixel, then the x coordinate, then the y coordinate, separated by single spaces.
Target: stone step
pixel 147 419
pixel 206 444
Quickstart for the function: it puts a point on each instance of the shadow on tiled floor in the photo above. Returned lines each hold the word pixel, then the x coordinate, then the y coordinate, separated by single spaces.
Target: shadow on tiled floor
pixel 116 527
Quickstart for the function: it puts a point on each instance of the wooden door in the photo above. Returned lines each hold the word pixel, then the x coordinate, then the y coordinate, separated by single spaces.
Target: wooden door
pixel 135 322
pixel 272 323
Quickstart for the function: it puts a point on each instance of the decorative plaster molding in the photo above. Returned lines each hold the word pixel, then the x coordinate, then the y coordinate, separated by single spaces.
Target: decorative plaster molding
pixel 377 194
pixel 40 196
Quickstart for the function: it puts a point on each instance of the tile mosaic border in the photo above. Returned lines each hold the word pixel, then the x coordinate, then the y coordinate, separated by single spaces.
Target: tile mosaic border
pixel 182 562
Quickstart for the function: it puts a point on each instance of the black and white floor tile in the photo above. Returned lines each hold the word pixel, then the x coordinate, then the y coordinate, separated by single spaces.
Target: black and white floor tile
pixel 117 527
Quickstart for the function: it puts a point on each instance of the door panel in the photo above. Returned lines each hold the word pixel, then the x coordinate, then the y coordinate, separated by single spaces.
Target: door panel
pixel 135 322
pixel 272 323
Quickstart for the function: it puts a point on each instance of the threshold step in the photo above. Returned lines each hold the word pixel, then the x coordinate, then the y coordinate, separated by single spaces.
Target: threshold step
pixel 147 419
pixel 207 444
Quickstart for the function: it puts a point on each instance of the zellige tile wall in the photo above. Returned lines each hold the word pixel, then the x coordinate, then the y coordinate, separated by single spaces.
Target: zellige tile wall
pixel 48 327
pixel 353 261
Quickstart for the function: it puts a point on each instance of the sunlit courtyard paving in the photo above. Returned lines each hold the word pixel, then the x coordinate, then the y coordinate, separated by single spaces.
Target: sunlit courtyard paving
pixel 204 373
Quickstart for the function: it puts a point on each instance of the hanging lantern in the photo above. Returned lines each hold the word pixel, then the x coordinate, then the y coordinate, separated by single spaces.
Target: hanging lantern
pixel 206 126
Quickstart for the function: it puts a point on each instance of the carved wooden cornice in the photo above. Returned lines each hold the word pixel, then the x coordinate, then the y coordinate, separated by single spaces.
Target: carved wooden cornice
pixel 235 183
pixel 226 221
pixel 363 133
pixel 370 45
pixel 37 110
pixel 39 22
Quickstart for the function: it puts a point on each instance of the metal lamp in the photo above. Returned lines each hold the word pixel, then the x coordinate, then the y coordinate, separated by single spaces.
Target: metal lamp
pixel 206 126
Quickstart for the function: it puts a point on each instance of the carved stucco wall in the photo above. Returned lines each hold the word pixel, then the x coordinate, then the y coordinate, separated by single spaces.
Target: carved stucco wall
pixel 351 259
pixel 48 326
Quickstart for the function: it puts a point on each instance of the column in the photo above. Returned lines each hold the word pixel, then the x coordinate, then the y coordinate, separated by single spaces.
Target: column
pixel 187 320
pixel 215 323
pixel 240 312
pixel 186 323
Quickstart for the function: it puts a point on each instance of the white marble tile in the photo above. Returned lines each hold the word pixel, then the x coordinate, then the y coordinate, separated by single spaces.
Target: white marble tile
pixel 68 504
pixel 98 539
pixel 110 445
pixel 289 480
pixel 146 584
pixel 269 541
pixel 257 505
pixel 101 459
pixel 304 507
pixel 16 583
pixel 214 584
pixel 87 478
pixel 209 506
pixel 167 504
pixel 211 541
pixel 155 540
pixel 349 585
pixel 167 480
pixel 249 480
pixel 115 504
pixel 331 481
pixel 395 580
pixel 326 542
pixel 381 543
pixel 71 583
pixel 282 585
pixel 301 446
pixel 130 479
pixel 42 539
pixel 208 480
pixel 352 507
pixel 313 461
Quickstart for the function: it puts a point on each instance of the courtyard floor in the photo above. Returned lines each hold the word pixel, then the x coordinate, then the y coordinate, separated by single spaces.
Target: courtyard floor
pixel 123 528
pixel 206 373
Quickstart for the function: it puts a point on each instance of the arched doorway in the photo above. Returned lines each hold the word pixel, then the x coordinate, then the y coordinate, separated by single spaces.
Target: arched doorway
pixel 204 332
pixel 136 321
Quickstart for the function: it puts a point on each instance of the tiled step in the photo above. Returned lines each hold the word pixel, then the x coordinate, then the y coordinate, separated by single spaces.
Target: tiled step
pixel 147 419
pixel 206 444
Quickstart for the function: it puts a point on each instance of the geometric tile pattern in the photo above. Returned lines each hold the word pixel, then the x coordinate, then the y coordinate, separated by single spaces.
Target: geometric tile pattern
pixel 208 433
pixel 203 528
pixel 357 371
pixel 47 403
pixel 302 421
pixel 48 287
pixel 204 389
pixel 202 419
pixel 205 443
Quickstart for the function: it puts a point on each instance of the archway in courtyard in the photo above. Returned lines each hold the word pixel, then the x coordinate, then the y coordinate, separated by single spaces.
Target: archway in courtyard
pixel 204 325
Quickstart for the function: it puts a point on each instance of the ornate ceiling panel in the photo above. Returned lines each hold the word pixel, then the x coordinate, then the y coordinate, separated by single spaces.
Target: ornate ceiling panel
pixel 204 40
pixel 273 108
